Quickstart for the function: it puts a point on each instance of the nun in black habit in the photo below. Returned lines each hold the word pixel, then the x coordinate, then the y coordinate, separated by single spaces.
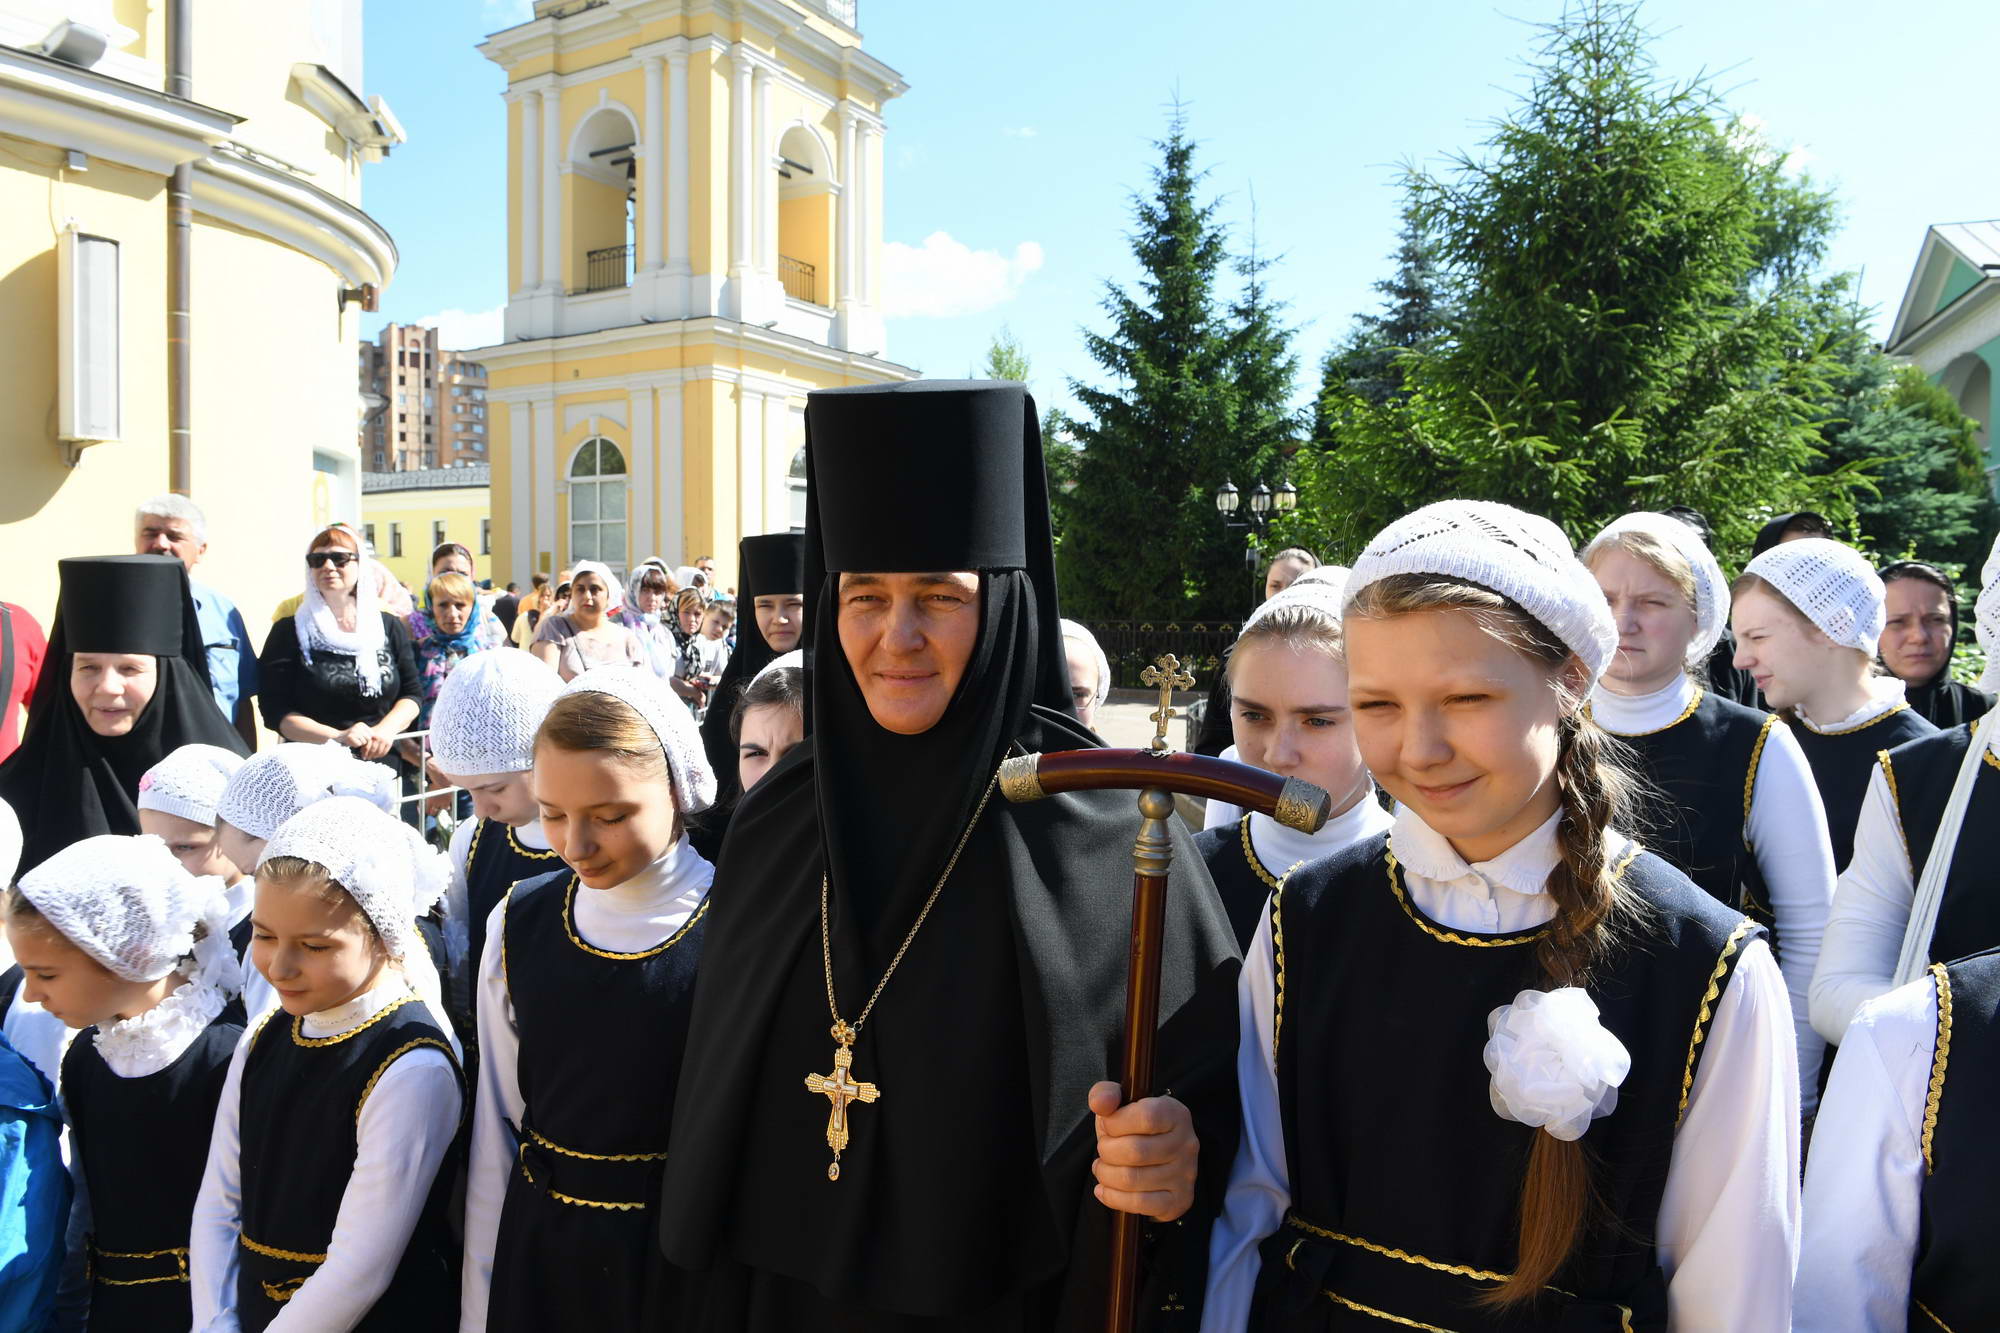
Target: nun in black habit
pixel 67 782
pixel 964 1197
pixel 767 566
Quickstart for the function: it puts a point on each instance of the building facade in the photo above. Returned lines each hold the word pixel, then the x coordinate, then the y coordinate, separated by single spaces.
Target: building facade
pixel 426 404
pixel 1949 323
pixel 407 515
pixel 273 135
pixel 695 236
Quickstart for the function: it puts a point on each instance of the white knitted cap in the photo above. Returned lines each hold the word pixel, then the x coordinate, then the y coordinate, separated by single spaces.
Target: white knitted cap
pixel 392 874
pixel 189 782
pixel 273 786
pixel 1711 589
pixel 1986 620
pixel 486 715
pixel 127 902
pixel 1519 555
pixel 795 658
pixel 1326 594
pixel 1076 633
pixel 1831 584
pixel 10 844
pixel 672 724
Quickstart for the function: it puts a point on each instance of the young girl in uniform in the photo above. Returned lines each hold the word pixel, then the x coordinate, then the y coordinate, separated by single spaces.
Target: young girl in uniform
pixel 1735 808
pixel 1808 617
pixel 117 939
pixel 1502 1069
pixel 1288 693
pixel 770 718
pixel 321 1207
pixel 177 802
pixel 570 1128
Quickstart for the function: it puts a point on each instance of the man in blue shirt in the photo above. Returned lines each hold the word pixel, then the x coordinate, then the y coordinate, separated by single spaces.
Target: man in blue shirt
pixel 173 525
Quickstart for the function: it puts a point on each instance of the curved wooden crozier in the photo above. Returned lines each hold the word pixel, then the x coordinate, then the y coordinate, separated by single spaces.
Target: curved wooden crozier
pixel 1156 776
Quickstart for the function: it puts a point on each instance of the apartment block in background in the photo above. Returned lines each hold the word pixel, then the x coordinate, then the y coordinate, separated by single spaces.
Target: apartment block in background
pixel 426 404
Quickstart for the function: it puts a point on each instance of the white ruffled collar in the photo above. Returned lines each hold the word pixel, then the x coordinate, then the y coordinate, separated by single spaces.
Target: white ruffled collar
pixel 1523 868
pixel 1279 848
pixel 1885 694
pixel 389 988
pixel 147 1043
pixel 1634 714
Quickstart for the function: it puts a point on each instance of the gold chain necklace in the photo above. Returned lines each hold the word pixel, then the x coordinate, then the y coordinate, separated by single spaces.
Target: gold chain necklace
pixel 840 1087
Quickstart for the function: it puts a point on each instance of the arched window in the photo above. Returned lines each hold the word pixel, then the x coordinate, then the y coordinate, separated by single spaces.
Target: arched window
pixel 597 504
pixel 795 483
pixel 805 217
pixel 599 177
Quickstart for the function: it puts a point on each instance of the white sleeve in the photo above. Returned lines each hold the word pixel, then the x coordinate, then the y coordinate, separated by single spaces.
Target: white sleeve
pixel 1787 830
pixel 1728 1231
pixel 405 1130
pixel 1871 910
pixel 218 1208
pixel 497 1109
pixel 458 930
pixel 1865 1179
pixel 1260 1189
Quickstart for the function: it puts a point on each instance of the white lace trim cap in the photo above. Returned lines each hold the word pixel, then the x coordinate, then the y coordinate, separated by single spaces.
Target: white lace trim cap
pixel 1519 555
pixel 1323 590
pixel 189 782
pixel 1831 584
pixel 1554 1066
pixel 273 786
pixel 672 724
pixel 10 844
pixel 795 658
pixel 1711 589
pixel 130 905
pixel 392 874
pixel 149 1042
pixel 1078 634
pixel 486 715
pixel 1986 619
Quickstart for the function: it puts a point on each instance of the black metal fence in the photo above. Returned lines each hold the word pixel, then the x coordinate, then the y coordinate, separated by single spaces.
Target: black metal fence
pixel 800 279
pixel 1132 646
pixel 608 268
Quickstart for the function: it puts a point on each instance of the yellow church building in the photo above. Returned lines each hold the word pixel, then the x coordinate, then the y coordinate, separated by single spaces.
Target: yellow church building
pixel 695 239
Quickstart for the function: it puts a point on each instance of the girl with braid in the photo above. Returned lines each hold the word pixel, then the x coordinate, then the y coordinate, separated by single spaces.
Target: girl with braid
pixel 1500 1067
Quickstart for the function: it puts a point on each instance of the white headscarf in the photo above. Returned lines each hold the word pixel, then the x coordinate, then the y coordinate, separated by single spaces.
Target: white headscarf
pixel 129 904
pixel 1078 634
pixel 673 726
pixel 1711 589
pixel 614 591
pixel 367 642
pixel 1831 584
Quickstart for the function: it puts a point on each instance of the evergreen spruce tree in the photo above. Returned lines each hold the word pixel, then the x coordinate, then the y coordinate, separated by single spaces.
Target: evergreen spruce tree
pixel 1368 364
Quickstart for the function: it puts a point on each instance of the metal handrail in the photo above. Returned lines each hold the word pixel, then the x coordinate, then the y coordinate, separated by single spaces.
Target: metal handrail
pixel 800 279
pixel 608 268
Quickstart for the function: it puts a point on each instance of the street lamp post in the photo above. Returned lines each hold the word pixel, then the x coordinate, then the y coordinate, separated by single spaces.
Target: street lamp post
pixel 1264 505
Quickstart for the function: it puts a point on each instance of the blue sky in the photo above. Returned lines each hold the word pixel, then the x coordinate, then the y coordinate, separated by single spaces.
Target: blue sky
pixel 1028 125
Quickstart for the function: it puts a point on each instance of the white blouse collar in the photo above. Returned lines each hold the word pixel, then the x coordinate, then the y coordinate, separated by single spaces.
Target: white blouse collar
pixel 147 1043
pixel 389 988
pixel 1279 848
pixel 242 897
pixel 1636 714
pixel 1523 868
pixel 1885 693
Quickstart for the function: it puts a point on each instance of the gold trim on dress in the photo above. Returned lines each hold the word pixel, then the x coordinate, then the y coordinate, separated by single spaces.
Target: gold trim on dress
pixel 298 1024
pixel 1883 716
pixel 1896 804
pixel 560 1197
pixel 1451 936
pixel 1686 713
pixel 1460 1270
pixel 280 1292
pixel 272 1252
pixel 569 928
pixel 1707 1014
pixel 178 1253
pixel 1371 1311
pixel 395 1055
pixel 1939 1057
pixel 515 843
pixel 1256 865
pixel 597 1156
pixel 1750 778
pixel 1278 958
pixel 1930 1314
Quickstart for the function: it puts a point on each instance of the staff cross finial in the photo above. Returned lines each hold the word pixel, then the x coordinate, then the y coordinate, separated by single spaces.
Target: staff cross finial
pixel 1168 674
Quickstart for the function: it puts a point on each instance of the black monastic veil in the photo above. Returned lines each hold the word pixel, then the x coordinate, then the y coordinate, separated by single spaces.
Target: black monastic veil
pixel 964 1198
pixel 766 566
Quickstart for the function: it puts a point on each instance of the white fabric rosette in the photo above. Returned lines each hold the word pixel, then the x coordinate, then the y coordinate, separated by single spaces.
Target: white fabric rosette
pixel 1554 1065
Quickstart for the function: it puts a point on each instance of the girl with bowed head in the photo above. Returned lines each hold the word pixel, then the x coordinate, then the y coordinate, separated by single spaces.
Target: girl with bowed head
pixel 1504 1002
pixel 595 967
pixel 323 1203
pixel 1287 687
pixel 1808 617
pixel 1733 805
pixel 118 939
pixel 341 668
pixel 34 1187
pixel 589 632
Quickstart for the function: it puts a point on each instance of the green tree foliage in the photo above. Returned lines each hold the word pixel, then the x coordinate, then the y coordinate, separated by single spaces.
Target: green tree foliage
pixel 1368 364
pixel 1635 321
pixel 1197 393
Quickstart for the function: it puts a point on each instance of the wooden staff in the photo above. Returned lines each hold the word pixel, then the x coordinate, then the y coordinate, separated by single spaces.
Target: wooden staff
pixel 1157 774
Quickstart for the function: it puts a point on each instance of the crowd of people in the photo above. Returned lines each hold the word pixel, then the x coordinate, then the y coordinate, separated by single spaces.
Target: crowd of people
pixel 1639 978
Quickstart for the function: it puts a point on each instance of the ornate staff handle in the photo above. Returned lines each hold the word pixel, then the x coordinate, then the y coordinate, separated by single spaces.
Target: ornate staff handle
pixel 1156 775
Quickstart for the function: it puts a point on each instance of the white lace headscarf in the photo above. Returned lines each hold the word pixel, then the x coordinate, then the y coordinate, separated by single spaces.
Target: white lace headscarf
pixel 273 786
pixel 1831 584
pixel 189 782
pixel 129 904
pixel 320 632
pixel 1711 589
pixel 486 716
pixel 672 724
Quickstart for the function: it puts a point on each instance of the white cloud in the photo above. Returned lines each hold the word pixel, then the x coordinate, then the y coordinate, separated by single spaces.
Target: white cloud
pixel 507 12
pixel 1024 132
pixel 467 328
pixel 945 277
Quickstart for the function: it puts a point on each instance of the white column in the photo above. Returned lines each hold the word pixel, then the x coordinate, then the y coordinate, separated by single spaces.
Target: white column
pixel 530 239
pixel 671 538
pixel 546 470
pixel 869 225
pixel 521 484
pixel 762 162
pixel 679 203
pixel 641 467
pixel 749 462
pixel 740 194
pixel 552 228
pixel 777 461
pixel 844 261
pixel 652 249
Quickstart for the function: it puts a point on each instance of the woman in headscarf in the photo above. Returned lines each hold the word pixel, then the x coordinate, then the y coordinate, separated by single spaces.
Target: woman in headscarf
pixel 771 579
pixel 1920 606
pixel 960 1197
pixel 125 684
pixel 589 633
pixel 342 667
pixel 485 628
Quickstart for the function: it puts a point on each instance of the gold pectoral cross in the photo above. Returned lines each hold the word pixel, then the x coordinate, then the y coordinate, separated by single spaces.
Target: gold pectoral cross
pixel 1166 673
pixel 840 1088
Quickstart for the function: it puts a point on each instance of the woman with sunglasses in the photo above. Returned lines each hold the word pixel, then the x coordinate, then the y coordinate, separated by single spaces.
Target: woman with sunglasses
pixel 341 668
